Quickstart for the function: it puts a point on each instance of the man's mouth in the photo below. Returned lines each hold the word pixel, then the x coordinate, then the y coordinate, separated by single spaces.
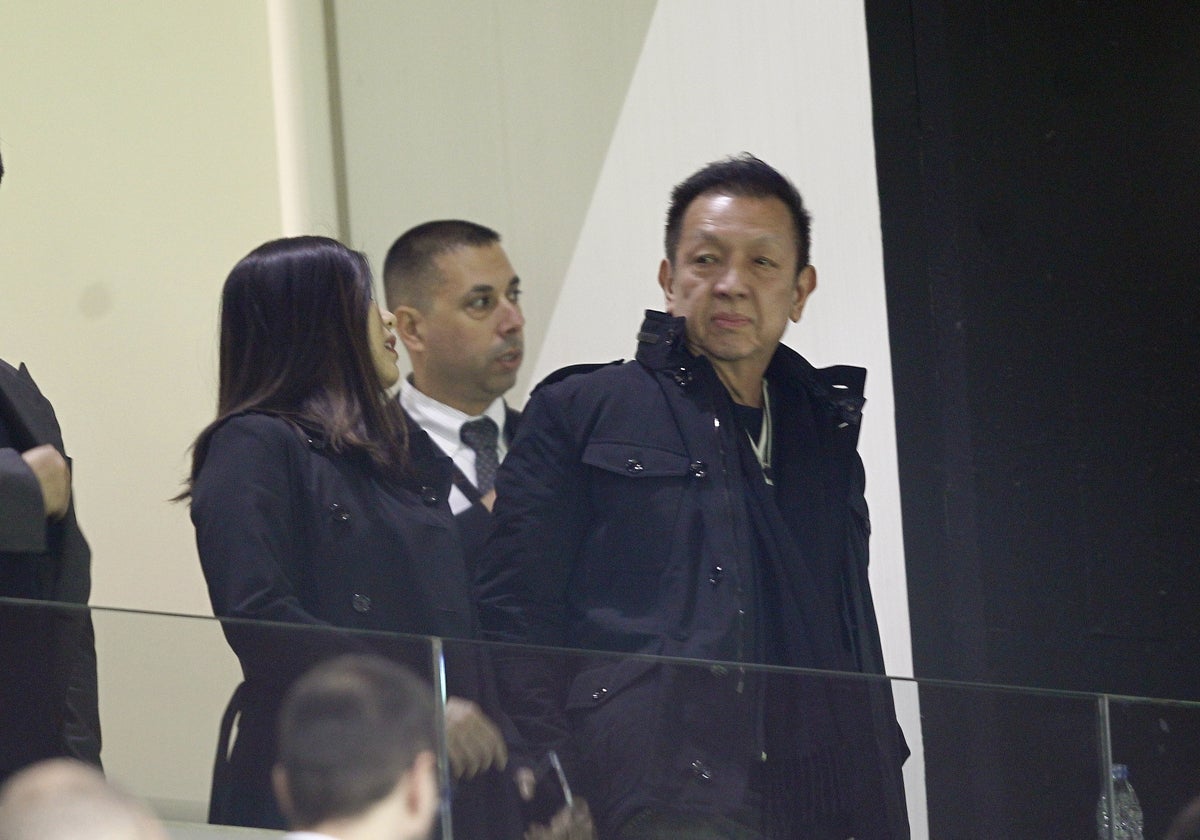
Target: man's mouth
pixel 729 320
pixel 511 358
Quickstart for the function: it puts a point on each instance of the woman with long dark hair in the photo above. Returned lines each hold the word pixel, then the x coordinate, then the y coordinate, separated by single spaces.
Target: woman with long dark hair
pixel 308 509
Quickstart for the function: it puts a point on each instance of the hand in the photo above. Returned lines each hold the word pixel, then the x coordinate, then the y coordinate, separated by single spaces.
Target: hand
pixel 473 741
pixel 572 822
pixel 488 499
pixel 54 476
pixel 526 781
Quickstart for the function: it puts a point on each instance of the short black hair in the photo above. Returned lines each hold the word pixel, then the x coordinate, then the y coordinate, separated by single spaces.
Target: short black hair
pixel 1 169
pixel 738 175
pixel 409 275
pixel 349 730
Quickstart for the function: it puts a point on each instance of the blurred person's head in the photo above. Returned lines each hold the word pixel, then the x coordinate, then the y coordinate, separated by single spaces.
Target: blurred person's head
pixel 456 299
pixel 302 338
pixel 63 799
pixel 356 751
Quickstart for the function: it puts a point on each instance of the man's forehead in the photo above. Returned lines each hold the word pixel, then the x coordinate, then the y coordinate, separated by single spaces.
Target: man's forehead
pixel 472 269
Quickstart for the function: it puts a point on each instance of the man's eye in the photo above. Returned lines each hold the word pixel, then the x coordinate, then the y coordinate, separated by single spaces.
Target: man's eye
pixel 767 261
pixel 706 259
pixel 514 295
pixel 483 303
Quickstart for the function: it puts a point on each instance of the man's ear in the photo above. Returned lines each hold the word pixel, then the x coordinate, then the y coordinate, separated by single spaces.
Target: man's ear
pixel 666 279
pixel 283 796
pixel 806 283
pixel 410 327
pixel 421 789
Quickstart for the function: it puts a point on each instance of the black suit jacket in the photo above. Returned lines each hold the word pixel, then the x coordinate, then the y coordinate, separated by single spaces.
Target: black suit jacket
pixel 474 523
pixel 48 699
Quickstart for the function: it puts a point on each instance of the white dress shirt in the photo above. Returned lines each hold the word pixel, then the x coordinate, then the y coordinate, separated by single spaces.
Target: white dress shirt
pixel 443 424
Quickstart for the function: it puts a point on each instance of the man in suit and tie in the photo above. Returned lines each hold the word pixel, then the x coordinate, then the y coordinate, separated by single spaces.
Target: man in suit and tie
pixel 457 304
pixel 48 700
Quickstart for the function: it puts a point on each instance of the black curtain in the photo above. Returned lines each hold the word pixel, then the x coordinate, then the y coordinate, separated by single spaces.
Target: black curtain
pixel 1039 180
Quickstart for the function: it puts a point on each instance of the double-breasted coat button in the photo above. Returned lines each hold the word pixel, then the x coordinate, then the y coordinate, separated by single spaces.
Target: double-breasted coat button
pixel 715 575
pixel 700 771
pixel 633 465
pixel 682 377
pixel 698 469
pixel 339 513
pixel 599 694
pixel 361 603
pixel 429 496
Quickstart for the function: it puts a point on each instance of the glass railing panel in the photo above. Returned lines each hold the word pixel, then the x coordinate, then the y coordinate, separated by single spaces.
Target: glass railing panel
pixel 1003 763
pixel 989 762
pixel 1158 743
pixel 165 687
pixel 672 747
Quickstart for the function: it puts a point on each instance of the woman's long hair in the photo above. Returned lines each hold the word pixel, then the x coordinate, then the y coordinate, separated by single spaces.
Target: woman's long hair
pixel 294 344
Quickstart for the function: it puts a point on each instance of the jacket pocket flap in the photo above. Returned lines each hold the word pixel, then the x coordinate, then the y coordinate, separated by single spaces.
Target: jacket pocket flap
pixel 597 685
pixel 635 459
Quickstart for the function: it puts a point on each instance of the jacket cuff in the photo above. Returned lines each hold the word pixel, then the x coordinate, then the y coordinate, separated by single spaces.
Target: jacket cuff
pixel 23 526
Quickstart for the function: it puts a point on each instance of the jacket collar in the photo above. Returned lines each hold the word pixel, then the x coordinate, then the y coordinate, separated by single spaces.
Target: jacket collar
pixel 661 347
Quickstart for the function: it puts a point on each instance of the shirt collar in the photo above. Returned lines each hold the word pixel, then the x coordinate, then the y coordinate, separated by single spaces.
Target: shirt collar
pixel 443 422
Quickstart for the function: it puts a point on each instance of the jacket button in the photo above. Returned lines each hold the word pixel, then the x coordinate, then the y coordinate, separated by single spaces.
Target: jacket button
pixel 339 513
pixel 700 771
pixel 633 465
pixel 361 603
pixel 599 694
pixel 698 469
pixel 682 377
pixel 429 496
pixel 714 577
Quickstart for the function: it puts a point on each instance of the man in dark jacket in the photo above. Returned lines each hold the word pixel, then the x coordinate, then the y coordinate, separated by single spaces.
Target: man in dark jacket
pixel 456 301
pixel 705 501
pixel 48 705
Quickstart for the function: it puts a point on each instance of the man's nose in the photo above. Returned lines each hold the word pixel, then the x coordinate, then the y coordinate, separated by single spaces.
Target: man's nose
pixel 512 319
pixel 730 283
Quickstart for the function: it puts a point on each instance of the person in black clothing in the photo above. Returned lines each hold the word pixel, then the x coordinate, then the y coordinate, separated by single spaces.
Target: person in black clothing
pixel 703 501
pixel 309 510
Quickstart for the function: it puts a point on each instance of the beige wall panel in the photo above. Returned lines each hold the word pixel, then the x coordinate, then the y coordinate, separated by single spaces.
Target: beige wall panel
pixel 140 148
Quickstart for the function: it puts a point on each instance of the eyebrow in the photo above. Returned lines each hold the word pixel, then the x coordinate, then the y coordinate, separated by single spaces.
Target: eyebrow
pixel 480 288
pixel 712 239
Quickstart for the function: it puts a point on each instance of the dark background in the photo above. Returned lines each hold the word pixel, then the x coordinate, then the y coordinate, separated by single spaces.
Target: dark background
pixel 1039 179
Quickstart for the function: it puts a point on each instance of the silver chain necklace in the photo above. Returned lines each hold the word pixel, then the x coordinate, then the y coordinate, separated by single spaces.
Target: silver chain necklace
pixel 762 447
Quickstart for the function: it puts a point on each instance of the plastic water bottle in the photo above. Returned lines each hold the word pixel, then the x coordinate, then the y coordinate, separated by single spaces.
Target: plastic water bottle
pixel 1128 811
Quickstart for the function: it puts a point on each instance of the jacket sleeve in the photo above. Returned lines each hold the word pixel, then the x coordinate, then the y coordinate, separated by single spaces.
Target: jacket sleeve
pixel 523 572
pixel 23 523
pixel 250 539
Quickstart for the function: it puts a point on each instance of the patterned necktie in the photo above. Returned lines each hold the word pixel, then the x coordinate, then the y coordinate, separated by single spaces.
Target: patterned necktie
pixel 482 435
